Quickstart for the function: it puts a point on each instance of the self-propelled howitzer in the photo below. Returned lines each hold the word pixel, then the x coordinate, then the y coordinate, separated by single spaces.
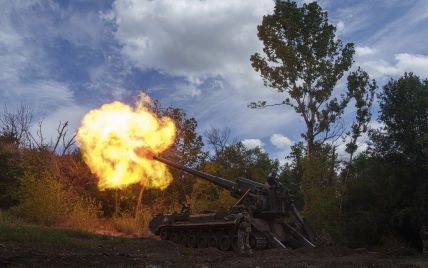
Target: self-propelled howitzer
pixel 269 205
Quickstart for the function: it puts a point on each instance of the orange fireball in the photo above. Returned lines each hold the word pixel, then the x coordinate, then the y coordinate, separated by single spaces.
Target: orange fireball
pixel 117 142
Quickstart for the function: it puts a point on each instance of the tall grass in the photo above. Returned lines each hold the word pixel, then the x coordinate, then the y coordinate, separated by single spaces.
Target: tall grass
pixel 47 201
pixel 128 224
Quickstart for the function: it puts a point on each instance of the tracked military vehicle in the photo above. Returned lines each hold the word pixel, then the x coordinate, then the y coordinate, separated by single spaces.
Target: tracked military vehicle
pixel 274 219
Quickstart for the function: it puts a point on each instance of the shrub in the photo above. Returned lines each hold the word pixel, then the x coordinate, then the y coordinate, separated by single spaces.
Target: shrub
pixel 135 226
pixel 84 214
pixel 46 201
pixel 319 192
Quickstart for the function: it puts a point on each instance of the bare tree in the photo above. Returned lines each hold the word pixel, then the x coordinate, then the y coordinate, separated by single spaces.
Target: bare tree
pixel 15 125
pixel 67 143
pixel 217 139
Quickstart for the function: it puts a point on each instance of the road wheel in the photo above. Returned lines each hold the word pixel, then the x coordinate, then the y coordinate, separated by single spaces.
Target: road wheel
pixel 202 241
pixel 192 241
pixel 212 241
pixel 174 237
pixel 224 242
pixel 182 239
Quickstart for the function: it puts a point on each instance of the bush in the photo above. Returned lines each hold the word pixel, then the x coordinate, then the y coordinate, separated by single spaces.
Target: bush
pixel 46 201
pixel 10 170
pixel 362 228
pixel 135 226
pixel 84 214
pixel 319 193
pixel 7 218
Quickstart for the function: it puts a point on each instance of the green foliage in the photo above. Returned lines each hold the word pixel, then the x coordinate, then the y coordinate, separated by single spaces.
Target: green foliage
pixel 292 172
pixel 206 196
pixel 361 228
pixel 231 162
pixel 404 114
pixel 319 193
pixel 44 200
pixel 400 143
pixel 388 186
pixel 238 161
pixel 362 90
pixel 304 60
pixel 187 150
pixel 365 218
pixel 84 213
pixel 10 170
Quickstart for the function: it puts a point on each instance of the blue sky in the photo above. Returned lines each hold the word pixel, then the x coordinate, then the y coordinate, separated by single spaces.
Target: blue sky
pixel 63 58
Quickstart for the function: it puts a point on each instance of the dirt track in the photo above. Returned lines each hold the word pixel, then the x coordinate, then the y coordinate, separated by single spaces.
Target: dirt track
pixel 149 252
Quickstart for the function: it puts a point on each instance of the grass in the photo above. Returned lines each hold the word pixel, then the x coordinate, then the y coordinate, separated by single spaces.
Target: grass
pixel 24 233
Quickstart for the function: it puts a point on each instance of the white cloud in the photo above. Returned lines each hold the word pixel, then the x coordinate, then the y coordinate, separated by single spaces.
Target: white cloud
pixel 252 143
pixel 340 27
pixel 72 113
pixel 283 147
pixel 201 40
pixel 280 141
pixel 412 63
pixel 189 37
pixel 184 90
pixel 194 39
pixel 25 70
pixel 364 51
pixel 404 62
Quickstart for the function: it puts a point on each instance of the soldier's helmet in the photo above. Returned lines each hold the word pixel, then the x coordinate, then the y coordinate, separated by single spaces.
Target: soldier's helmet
pixel 273 174
pixel 272 178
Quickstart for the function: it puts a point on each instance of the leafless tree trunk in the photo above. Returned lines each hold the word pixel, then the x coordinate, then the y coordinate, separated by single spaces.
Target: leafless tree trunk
pixel 139 202
pixel 116 203
pixel 62 130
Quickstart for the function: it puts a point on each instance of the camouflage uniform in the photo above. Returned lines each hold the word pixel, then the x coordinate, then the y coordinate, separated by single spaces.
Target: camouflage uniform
pixel 244 230
pixel 423 233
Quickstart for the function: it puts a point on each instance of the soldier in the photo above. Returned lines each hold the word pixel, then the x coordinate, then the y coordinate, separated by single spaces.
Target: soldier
pixel 244 231
pixel 423 233
pixel 275 188
pixel 272 180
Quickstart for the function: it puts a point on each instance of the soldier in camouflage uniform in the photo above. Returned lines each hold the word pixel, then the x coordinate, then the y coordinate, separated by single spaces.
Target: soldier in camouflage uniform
pixel 423 233
pixel 244 231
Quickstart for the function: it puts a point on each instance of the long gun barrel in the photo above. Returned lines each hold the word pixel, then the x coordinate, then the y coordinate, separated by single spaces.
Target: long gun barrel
pixel 228 185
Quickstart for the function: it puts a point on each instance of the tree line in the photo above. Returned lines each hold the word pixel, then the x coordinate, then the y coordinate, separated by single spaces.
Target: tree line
pixel 371 198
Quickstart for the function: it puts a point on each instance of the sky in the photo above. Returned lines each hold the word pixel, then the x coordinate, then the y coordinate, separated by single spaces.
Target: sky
pixel 64 58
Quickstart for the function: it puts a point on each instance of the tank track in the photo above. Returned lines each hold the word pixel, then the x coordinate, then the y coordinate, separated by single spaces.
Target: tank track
pixel 223 239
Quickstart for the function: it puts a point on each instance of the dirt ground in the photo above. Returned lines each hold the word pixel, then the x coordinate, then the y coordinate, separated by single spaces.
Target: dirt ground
pixel 148 252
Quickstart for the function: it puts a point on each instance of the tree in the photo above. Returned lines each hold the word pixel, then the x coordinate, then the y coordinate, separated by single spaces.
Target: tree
pixel 187 150
pixel 292 172
pixel 232 162
pixel 218 139
pixel 396 166
pixel 362 90
pixel 303 61
pixel 15 126
pixel 319 190
pixel 404 116
pixel 240 161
